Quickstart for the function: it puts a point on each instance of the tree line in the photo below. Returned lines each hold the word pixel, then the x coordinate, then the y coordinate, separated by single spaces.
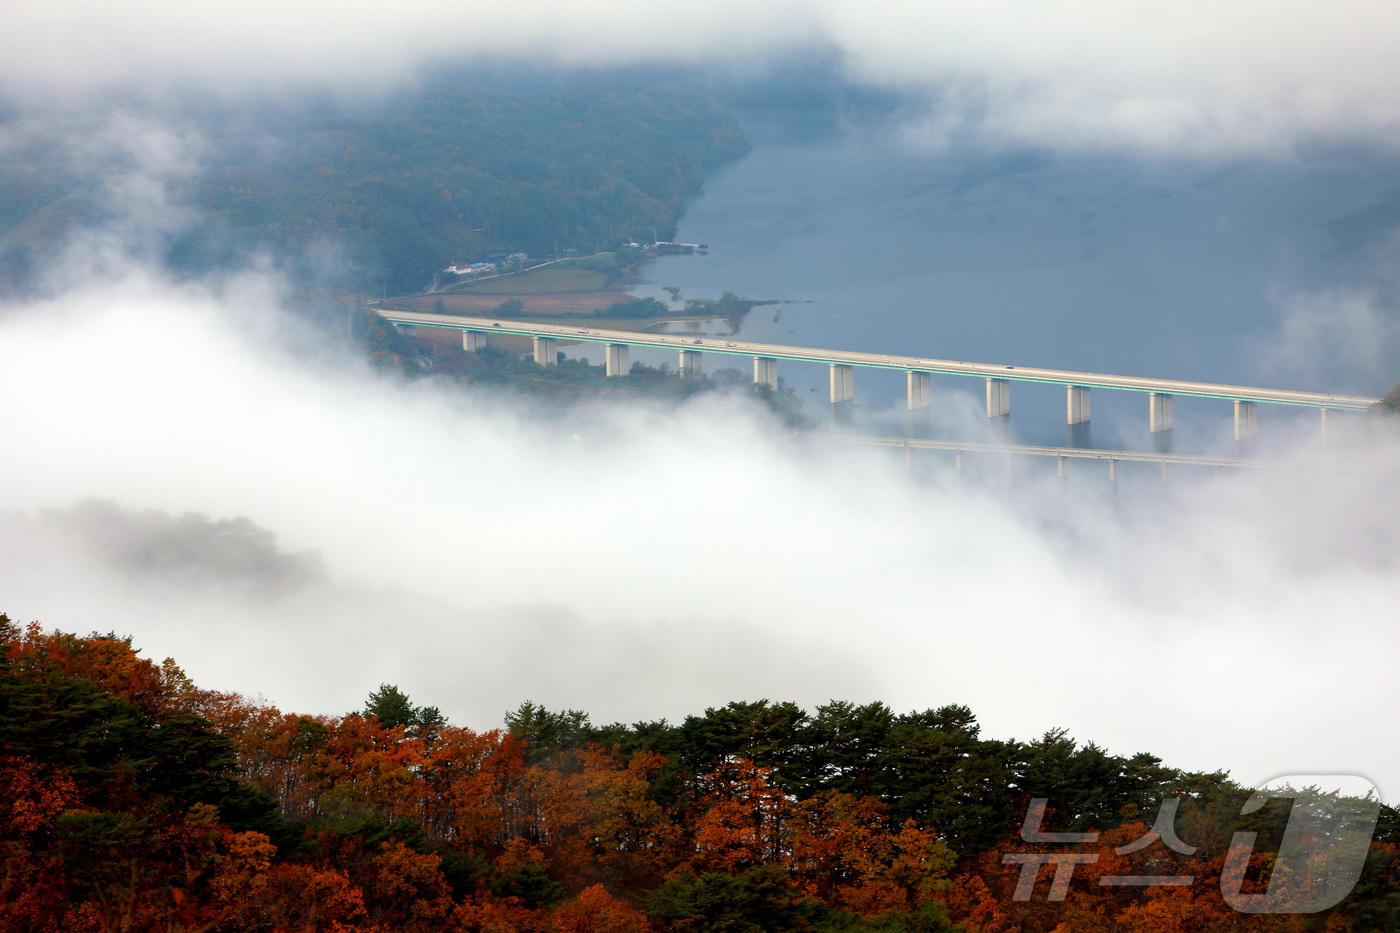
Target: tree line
pixel 131 799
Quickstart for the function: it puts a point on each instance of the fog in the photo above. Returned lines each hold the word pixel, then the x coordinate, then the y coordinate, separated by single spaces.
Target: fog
pixel 287 524
pixel 194 465
pixel 1198 77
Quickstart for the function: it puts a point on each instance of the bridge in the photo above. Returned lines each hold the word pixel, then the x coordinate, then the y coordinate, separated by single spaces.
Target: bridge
pixel 998 378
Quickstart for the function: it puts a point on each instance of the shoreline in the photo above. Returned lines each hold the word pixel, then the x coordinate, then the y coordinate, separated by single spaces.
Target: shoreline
pixel 564 291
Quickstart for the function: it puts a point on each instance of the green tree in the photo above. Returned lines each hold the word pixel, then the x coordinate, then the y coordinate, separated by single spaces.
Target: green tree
pixel 633 308
pixel 936 769
pixel 545 733
pixel 843 745
pixel 391 706
pixel 531 884
pixel 68 723
pixel 1085 785
pixel 759 900
pixel 763 732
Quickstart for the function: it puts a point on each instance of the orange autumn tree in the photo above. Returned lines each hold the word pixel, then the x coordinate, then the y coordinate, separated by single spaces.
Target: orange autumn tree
pixel 746 819
pixel 846 853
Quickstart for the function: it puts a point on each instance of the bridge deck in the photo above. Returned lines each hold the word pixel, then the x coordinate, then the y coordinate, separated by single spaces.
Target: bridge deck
pixel 583 333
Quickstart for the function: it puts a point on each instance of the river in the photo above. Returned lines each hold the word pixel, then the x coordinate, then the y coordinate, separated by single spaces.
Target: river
pixel 1176 269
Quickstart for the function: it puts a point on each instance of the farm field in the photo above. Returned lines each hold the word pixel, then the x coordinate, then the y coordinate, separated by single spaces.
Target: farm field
pixel 548 280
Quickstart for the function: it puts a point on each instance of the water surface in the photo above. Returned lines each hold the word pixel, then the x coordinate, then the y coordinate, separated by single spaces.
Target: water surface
pixel 1180 270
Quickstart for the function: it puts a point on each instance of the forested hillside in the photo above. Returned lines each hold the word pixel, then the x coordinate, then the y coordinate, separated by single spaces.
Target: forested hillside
pixel 132 800
pixel 384 194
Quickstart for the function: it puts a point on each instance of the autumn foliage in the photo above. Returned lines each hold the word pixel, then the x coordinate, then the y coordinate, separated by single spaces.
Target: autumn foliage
pixel 131 800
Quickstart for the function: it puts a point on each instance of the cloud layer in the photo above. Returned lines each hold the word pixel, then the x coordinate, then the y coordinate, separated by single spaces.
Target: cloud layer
pixel 639 563
pixel 1195 77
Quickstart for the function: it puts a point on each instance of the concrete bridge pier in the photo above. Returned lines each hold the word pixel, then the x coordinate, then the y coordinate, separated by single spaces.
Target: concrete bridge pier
pixel 918 385
pixel 1159 412
pixel 1077 404
pixel 842 390
pixel 998 398
pixel 1246 420
pixel 1159 420
pixel 842 383
pixel 920 404
pixel 473 340
pixel 1324 425
pixel 765 371
pixel 546 351
pixel 618 359
pixel 690 363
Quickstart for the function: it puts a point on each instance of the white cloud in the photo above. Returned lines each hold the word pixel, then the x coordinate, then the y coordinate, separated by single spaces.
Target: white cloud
pixel 1201 78
pixel 478 554
pixel 1337 337
pixel 1192 77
